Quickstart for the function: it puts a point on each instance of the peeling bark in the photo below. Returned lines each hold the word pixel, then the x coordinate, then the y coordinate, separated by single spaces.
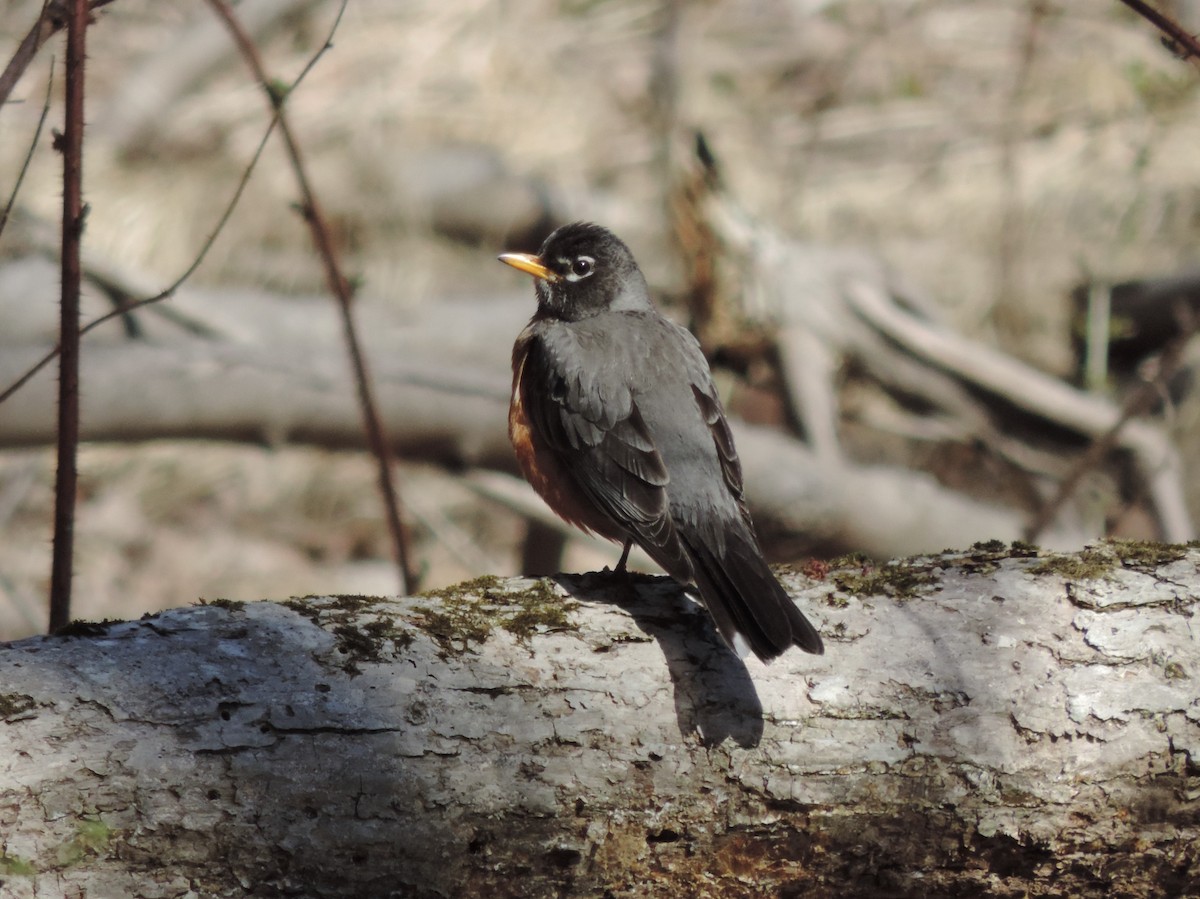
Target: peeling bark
pixel 980 725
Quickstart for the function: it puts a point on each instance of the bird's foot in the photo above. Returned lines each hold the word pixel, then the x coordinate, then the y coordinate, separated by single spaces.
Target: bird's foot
pixel 621 570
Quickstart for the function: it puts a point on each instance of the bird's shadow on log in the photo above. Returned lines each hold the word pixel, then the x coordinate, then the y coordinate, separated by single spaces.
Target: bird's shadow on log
pixel 715 697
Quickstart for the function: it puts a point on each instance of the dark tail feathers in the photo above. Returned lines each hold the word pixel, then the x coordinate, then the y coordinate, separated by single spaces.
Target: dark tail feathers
pixel 746 600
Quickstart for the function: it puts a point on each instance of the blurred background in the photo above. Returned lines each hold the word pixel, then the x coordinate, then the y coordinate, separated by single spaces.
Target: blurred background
pixel 995 154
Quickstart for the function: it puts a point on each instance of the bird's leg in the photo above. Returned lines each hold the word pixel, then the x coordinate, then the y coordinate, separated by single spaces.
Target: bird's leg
pixel 620 569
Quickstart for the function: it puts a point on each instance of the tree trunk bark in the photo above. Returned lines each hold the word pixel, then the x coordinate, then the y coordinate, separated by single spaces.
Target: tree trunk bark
pixel 981 724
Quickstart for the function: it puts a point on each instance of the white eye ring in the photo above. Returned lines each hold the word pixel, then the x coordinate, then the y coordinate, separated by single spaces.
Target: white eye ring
pixel 581 267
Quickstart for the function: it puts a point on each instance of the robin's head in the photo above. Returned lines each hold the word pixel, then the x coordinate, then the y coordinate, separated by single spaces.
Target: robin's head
pixel 581 270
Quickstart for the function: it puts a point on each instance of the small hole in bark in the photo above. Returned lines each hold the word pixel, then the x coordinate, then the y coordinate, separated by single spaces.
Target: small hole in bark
pixel 563 857
pixel 478 842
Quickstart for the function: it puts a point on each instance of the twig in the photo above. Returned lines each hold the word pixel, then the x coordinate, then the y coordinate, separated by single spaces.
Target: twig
pixel 51 20
pixel 204 249
pixel 66 479
pixel 33 145
pixel 339 285
pixel 1185 44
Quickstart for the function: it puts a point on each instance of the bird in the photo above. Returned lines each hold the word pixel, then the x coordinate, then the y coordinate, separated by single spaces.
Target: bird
pixel 616 423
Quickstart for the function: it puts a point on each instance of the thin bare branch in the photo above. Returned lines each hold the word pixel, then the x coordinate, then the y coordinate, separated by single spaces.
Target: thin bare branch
pixel 51 20
pixel 1182 42
pixel 204 249
pixel 33 145
pixel 339 285
pixel 73 214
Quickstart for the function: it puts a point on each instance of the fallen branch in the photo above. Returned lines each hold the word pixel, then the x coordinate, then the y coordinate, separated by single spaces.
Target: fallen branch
pixel 981 724
pixel 280 376
pixel 1026 388
pixel 821 308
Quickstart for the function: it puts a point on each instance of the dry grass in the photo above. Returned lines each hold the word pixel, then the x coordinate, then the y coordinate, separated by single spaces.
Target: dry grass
pixel 911 127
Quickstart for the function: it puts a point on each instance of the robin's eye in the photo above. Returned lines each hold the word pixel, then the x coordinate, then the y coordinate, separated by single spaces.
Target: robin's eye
pixel 578 268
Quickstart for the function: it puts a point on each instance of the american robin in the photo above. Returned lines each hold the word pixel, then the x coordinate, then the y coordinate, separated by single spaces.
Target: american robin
pixel 617 424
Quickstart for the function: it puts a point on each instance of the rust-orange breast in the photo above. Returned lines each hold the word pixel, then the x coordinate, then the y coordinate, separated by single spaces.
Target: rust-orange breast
pixel 543 467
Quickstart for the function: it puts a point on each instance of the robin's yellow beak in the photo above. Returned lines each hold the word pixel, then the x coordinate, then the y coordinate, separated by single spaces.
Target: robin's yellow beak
pixel 529 264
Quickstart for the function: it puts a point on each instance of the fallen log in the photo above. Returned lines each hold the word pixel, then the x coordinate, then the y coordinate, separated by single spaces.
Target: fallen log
pixel 272 370
pixel 993 722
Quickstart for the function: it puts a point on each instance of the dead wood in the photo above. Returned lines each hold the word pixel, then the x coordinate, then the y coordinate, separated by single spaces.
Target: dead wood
pixel 274 372
pixel 828 308
pixel 981 724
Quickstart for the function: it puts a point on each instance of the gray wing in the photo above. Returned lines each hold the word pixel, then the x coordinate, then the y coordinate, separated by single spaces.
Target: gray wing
pixel 737 585
pixel 586 413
